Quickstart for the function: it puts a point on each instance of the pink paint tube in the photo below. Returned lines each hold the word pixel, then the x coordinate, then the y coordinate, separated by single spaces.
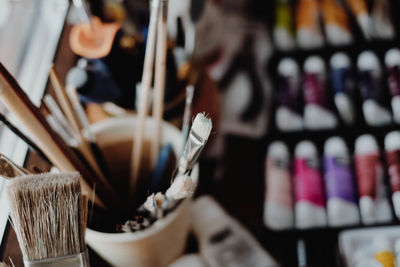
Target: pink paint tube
pixel 392 149
pixel 374 205
pixel 310 202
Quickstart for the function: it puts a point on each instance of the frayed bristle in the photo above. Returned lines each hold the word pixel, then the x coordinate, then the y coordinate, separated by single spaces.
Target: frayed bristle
pixel 202 126
pixel 47 213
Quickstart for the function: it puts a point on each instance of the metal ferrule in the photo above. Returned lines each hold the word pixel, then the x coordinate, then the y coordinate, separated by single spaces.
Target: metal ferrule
pixel 191 152
pixel 76 260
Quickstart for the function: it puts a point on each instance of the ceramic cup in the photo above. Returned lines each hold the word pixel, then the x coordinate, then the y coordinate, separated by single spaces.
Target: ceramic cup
pixel 165 240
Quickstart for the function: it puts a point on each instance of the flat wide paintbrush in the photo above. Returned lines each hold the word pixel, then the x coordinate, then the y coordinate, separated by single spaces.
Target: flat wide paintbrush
pixel 47 213
pixel 197 139
pixel 15 99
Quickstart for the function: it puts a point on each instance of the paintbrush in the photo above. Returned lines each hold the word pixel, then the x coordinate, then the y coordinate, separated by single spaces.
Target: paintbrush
pixel 47 213
pixel 69 102
pixel 56 125
pixel 147 76
pixel 186 114
pixel 63 99
pixel 76 77
pixel 198 137
pixel 15 99
pixel 24 138
pixel 182 185
pixel 159 81
pixel 54 109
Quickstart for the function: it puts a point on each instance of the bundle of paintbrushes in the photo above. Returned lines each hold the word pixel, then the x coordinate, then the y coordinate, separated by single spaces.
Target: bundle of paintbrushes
pixel 182 186
pixel 49 214
pixel 65 155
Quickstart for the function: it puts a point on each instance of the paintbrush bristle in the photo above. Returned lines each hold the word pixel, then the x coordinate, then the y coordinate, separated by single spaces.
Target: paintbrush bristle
pixel 47 214
pixel 202 126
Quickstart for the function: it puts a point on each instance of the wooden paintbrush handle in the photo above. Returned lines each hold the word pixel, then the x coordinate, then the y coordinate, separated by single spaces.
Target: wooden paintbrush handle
pixel 159 81
pixel 144 97
pixel 65 103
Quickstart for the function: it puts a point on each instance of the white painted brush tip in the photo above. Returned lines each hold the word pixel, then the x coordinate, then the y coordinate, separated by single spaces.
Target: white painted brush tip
pixel 368 60
pixel 392 141
pixel 76 77
pixel 366 144
pixel 382 243
pixel 278 149
pixel 335 146
pixel 202 126
pixel 182 187
pixel 314 64
pixel 340 60
pixel 305 149
pixel 392 57
pixel 288 67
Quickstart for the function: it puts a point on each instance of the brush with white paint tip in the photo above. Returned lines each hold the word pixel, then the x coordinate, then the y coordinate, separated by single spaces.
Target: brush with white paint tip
pixel 283 29
pixel 342 205
pixel 343 86
pixel 48 216
pixel 310 210
pixel 382 25
pixel 392 151
pixel 383 249
pixel 198 137
pixel 317 113
pixel 360 12
pixel 308 31
pixel 370 84
pixel 182 187
pixel 278 205
pixel 392 62
pixel 374 205
pixel 336 24
pixel 288 114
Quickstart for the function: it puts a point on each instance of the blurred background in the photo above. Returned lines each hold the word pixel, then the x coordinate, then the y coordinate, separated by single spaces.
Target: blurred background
pixel 304 96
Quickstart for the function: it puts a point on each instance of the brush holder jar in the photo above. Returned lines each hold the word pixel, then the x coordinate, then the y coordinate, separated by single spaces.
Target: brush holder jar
pixel 164 240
